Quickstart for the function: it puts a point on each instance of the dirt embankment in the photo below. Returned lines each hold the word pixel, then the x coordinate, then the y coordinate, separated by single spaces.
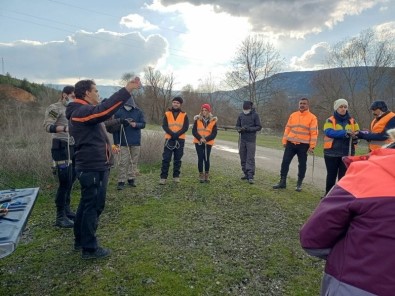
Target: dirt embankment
pixel 14 93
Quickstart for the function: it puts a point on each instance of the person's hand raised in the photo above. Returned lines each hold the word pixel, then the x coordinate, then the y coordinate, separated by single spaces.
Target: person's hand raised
pixel 133 84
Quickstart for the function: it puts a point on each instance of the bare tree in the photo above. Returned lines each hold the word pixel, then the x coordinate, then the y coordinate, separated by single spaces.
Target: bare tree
pixel 254 63
pixel 364 63
pixel 158 93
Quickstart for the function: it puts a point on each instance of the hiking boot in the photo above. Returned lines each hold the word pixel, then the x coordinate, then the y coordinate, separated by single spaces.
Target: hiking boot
pixel 251 181
pixel 299 185
pixel 64 222
pixel 244 177
pixel 162 181
pixel 96 254
pixel 201 177
pixel 207 177
pixel 281 185
pixel 69 213
pixel 176 180
pixel 131 183
pixel 61 219
pixel 121 185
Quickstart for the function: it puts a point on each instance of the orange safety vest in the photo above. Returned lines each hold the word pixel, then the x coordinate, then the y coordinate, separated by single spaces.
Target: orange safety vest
pixel 175 124
pixel 302 127
pixel 329 141
pixel 378 126
pixel 205 131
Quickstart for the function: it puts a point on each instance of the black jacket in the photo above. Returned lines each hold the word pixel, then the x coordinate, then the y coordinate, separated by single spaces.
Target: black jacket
pixel 92 146
pixel 248 125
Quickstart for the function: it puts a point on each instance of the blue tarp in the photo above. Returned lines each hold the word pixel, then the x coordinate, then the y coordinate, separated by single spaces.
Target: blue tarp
pixel 20 204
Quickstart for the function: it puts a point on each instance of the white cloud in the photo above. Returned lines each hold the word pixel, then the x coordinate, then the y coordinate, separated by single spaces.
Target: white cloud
pixel 104 55
pixel 135 21
pixel 287 18
pixel 312 59
pixel 207 44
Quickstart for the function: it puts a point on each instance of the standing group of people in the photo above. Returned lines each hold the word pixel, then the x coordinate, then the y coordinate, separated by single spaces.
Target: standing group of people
pixel 350 228
pixel 82 149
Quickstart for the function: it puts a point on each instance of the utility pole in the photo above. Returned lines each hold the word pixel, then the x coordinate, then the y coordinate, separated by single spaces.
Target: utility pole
pixel 2 65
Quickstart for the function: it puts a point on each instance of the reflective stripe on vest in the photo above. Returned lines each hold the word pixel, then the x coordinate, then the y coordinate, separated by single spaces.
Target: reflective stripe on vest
pixel 379 127
pixel 301 128
pixel 204 131
pixel 329 141
pixel 175 125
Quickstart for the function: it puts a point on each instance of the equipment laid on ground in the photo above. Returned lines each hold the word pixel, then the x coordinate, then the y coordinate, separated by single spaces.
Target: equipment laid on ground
pixel 16 206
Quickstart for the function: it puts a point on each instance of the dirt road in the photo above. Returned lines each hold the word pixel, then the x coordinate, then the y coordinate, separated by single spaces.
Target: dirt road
pixel 270 160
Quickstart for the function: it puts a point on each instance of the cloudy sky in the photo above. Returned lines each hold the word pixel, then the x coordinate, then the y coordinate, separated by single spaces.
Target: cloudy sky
pixel 62 41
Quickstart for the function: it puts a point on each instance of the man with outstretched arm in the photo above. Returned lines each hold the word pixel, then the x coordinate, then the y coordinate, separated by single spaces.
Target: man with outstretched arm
pixel 93 158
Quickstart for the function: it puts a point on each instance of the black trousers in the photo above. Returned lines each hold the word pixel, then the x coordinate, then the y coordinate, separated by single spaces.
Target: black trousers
pixel 65 171
pixel 335 168
pixel 66 177
pixel 203 153
pixel 291 150
pixel 93 198
pixel 170 149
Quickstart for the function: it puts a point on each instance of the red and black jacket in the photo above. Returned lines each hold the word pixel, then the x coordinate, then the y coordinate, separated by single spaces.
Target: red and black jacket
pixel 92 145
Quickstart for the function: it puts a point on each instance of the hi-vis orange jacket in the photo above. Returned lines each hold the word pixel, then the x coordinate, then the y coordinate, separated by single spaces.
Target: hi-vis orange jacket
pixel 378 126
pixel 302 127
pixel 175 125
pixel 204 131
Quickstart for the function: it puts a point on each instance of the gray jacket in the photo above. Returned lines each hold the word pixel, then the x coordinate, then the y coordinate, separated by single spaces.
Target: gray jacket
pixel 247 125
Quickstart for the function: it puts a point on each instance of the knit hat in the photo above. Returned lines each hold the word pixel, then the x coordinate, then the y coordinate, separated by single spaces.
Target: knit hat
pixel 247 105
pixel 178 99
pixel 206 106
pixel 339 103
pixel 379 105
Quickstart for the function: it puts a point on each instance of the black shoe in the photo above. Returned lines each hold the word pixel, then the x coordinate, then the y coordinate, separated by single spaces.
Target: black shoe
pixel 244 177
pixel 96 254
pixel 131 183
pixel 64 222
pixel 70 214
pixel 251 181
pixel 120 185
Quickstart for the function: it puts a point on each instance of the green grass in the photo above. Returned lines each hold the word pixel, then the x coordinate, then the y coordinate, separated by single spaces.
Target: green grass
pixel 222 238
pixel 274 141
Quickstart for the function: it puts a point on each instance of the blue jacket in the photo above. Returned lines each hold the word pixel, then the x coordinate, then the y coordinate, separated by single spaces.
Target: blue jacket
pixel 133 134
pixel 341 141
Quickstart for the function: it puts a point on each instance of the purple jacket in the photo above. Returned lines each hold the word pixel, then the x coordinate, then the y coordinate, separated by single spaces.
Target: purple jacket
pixel 353 228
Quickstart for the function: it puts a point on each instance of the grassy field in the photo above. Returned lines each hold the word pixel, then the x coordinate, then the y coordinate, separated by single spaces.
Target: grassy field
pixel 223 238
pixel 274 141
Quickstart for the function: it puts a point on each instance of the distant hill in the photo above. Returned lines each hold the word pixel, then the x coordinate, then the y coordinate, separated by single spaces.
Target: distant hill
pixel 105 91
pixel 299 84
pixel 293 84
